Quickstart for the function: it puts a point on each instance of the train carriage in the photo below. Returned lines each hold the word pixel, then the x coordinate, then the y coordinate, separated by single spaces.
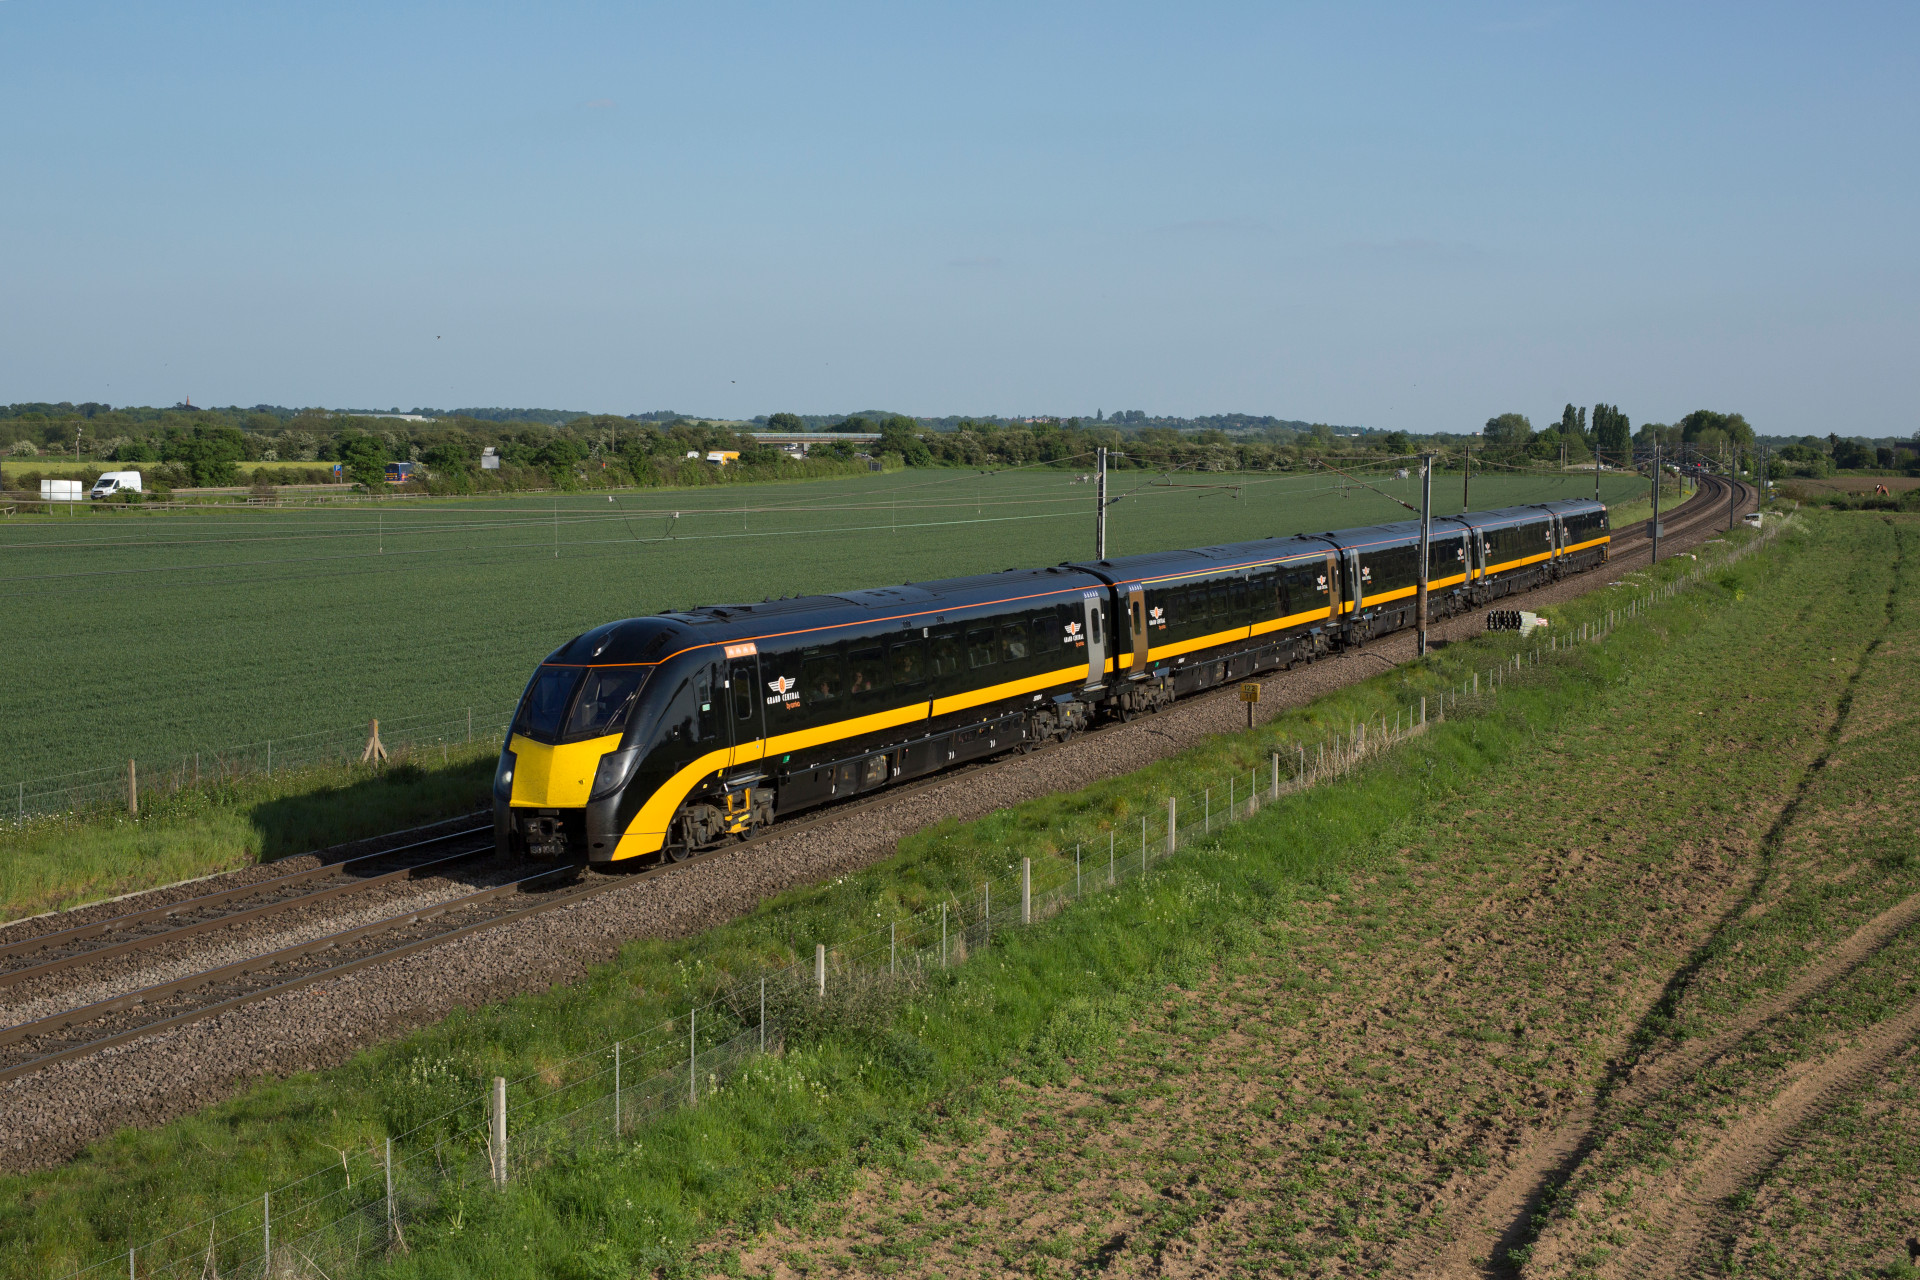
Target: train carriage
pixel 662 735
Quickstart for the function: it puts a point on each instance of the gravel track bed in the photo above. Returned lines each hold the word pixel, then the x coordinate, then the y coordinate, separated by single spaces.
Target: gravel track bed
pixel 183 890
pixel 49 1115
pixel 136 970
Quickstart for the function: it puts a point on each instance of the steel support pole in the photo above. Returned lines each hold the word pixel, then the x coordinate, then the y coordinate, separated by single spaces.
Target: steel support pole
pixel 1100 521
pixel 1653 526
pixel 1426 535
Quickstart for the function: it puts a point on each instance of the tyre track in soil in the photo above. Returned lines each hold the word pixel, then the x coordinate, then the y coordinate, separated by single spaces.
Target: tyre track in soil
pixel 53 1114
pixel 1515 1196
pixel 1702 1214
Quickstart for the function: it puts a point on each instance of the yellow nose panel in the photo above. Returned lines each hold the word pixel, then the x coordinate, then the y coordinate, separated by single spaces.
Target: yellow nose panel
pixel 560 777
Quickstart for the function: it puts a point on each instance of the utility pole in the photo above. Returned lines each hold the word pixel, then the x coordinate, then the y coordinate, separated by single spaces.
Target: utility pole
pixel 1466 474
pixel 1596 466
pixel 1100 522
pixel 1426 534
pixel 1654 525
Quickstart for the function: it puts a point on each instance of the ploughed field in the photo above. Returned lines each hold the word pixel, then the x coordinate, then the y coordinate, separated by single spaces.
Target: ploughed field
pixel 204 629
pixel 1646 1002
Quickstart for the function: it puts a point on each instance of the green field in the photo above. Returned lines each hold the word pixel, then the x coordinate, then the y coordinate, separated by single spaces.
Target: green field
pixel 150 635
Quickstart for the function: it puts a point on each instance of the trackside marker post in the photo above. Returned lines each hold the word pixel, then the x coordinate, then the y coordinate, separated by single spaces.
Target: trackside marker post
pixel 1026 888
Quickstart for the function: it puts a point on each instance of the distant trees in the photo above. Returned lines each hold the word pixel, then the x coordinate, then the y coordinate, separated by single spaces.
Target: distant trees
pixel 1397 442
pixel 363 457
pixel 1508 431
pixel 1611 431
pixel 785 422
pixel 210 452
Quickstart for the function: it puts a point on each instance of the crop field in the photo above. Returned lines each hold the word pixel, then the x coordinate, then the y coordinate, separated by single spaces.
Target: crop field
pixel 150 635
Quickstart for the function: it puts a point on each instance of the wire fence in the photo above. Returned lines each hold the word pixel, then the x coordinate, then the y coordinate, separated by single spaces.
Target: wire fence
pixel 346 1218
pixel 423 737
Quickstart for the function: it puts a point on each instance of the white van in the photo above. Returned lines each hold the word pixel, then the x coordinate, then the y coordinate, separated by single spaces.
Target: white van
pixel 116 482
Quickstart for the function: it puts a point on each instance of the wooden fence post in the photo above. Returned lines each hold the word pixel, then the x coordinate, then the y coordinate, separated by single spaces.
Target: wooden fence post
pixel 376 750
pixel 133 790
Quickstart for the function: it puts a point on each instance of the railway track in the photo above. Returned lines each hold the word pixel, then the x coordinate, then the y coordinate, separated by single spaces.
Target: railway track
pixel 33 1044
pixel 29 1046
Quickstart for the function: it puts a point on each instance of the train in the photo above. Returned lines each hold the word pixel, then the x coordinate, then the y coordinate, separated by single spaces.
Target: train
pixel 657 737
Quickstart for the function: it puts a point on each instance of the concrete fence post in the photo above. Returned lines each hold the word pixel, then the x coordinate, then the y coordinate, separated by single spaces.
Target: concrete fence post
pixel 1026 888
pixel 1274 792
pixel 500 1130
pixel 820 968
pixel 393 1221
pixel 616 1083
pixel 1173 830
pixel 693 1062
pixel 133 790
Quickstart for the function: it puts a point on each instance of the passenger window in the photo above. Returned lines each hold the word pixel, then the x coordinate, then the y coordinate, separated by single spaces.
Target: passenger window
pixel 909 661
pixel 947 653
pixel 1196 604
pixel 1046 633
pixel 866 671
pixel 1013 641
pixel 822 675
pixel 1239 597
pixel 980 648
pixel 1217 594
pixel 746 692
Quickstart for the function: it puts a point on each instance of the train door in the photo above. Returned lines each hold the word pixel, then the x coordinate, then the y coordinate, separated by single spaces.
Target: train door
pixel 1332 572
pixel 746 705
pixel 1096 639
pixel 1137 626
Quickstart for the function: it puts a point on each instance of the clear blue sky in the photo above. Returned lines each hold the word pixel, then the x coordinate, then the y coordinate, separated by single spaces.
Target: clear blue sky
pixel 1396 215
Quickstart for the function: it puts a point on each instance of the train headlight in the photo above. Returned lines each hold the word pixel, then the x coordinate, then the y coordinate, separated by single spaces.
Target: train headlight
pixel 503 775
pixel 615 768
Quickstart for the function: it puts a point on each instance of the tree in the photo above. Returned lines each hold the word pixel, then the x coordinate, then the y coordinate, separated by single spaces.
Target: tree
pixel 210 453
pixel 1732 425
pixel 452 453
pixel 1611 431
pixel 363 457
pixel 785 422
pixel 1397 442
pixel 900 434
pixel 1851 455
pixel 1508 431
pixel 135 451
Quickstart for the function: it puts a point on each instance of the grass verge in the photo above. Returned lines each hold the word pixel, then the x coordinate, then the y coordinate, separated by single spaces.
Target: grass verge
pixel 55 863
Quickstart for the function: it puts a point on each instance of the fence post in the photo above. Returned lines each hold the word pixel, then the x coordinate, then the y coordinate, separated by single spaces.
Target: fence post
pixel 469 726
pixel 943 934
pixel 1206 812
pixel 269 757
pixel 986 914
pixel 1173 831
pixel 1026 887
pixel 893 951
pixel 500 1130
pixel 1274 793
pixel 763 1013
pixel 1423 709
pixel 693 1058
pixel 820 968
pixel 130 1275
pixel 616 1083
pixel 1077 891
pixel 266 1231
pixel 391 1218
pixel 133 790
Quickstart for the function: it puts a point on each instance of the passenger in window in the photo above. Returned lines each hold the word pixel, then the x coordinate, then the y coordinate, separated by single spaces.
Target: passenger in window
pixel 1013 641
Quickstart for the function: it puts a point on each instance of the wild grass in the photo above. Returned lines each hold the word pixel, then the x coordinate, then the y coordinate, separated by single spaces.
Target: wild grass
pixel 784 1141
pixel 50 864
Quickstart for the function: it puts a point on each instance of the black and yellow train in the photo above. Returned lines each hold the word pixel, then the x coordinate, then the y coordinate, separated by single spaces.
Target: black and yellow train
pixel 672 733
